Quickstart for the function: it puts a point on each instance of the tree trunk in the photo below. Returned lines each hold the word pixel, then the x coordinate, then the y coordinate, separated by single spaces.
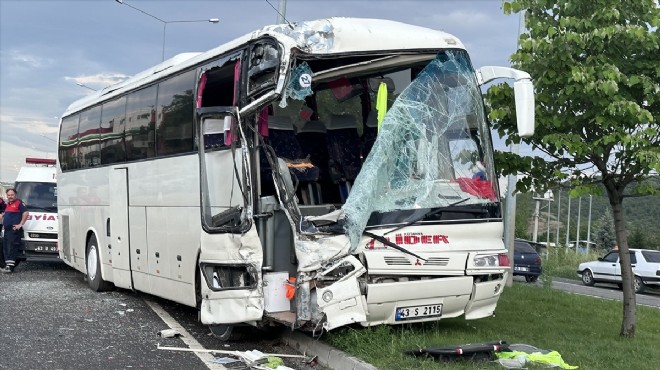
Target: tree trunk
pixel 629 299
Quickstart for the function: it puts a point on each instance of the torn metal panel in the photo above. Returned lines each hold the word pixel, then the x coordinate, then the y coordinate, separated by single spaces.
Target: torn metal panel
pixel 430 145
pixel 235 304
pixel 342 302
pixel 313 36
pixel 314 251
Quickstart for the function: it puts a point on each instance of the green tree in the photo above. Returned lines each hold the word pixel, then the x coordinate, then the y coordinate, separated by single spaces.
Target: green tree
pixel 636 238
pixel 596 74
pixel 603 232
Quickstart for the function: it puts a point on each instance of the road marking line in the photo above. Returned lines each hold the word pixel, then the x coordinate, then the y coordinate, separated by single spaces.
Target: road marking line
pixel 606 298
pixel 206 357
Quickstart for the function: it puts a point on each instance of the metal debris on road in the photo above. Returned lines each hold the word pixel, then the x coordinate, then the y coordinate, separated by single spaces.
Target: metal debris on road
pixel 169 333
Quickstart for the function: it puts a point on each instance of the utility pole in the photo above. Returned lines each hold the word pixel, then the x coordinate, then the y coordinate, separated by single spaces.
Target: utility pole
pixel 568 221
pixel 537 210
pixel 589 226
pixel 577 232
pixel 281 12
pixel 558 216
pixel 510 215
pixel 547 242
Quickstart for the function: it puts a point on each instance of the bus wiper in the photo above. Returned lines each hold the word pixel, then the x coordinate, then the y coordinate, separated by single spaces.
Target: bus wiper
pixel 428 214
pixel 391 244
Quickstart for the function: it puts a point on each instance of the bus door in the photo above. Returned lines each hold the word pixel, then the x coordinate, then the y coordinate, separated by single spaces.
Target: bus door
pixel 120 247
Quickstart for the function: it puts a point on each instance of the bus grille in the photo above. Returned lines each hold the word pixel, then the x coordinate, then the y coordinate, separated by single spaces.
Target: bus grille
pixel 43 236
pixel 403 261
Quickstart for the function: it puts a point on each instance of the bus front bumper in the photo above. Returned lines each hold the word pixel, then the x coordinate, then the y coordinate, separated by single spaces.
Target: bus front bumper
pixel 431 300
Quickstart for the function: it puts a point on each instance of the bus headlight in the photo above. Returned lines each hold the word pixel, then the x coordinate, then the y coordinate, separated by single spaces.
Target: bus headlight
pixel 493 260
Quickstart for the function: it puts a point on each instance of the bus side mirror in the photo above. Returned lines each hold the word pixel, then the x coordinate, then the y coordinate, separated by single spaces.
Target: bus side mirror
pixel 523 89
pixel 524 95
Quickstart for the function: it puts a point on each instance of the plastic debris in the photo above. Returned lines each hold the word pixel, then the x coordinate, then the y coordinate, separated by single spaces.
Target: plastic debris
pixel 274 362
pixel 473 352
pixel 225 360
pixel 535 355
pixel 169 333
pixel 300 84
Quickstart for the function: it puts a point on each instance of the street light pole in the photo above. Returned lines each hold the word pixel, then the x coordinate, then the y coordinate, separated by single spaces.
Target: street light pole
pixel 577 231
pixel 589 226
pixel 547 243
pixel 549 197
pixel 568 221
pixel 558 216
pixel 165 23
pixel 510 212
pixel 85 86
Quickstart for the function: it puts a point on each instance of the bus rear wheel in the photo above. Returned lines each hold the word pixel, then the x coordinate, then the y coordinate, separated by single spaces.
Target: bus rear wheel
pixel 94 278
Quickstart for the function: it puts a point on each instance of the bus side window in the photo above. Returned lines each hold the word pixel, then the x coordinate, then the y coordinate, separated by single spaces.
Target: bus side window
pixel 262 68
pixel 174 123
pixel 140 124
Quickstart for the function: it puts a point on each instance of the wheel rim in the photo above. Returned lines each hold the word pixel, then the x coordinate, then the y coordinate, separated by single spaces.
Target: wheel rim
pixel 586 277
pixel 636 284
pixel 92 259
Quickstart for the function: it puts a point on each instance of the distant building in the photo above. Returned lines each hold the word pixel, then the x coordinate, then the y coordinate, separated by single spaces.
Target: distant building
pixel 3 188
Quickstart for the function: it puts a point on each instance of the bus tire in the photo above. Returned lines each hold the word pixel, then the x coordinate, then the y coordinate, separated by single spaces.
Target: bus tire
pixel 94 278
pixel 228 333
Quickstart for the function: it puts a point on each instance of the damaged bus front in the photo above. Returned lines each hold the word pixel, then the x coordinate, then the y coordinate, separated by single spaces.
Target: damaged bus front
pixel 349 178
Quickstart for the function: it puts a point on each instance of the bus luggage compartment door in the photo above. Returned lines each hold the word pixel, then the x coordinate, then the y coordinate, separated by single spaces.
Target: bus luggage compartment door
pixel 119 238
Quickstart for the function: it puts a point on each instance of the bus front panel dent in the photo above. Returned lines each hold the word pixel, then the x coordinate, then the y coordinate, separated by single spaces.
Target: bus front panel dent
pixel 235 304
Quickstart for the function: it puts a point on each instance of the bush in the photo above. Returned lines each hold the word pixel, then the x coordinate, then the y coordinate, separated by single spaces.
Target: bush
pixel 563 262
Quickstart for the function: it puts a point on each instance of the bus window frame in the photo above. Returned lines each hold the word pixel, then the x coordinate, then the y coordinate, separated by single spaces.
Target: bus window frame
pixel 246 221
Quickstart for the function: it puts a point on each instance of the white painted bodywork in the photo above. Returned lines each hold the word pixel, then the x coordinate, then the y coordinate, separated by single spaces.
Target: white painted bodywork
pixel 159 246
pixel 39 222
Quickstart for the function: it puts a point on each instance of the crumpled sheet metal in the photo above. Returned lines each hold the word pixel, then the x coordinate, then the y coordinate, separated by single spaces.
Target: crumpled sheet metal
pixel 405 169
pixel 315 251
pixel 313 36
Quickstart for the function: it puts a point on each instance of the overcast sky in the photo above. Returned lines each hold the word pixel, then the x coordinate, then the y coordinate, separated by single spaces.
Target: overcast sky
pixel 47 47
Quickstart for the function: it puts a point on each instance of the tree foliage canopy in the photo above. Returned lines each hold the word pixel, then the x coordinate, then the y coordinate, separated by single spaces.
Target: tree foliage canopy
pixel 596 67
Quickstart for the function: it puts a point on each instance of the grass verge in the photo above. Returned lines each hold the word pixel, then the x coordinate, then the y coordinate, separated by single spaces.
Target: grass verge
pixel 562 262
pixel 584 330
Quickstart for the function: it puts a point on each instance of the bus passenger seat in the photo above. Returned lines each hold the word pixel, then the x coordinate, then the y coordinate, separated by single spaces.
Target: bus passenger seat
pixel 311 138
pixel 283 140
pixel 344 147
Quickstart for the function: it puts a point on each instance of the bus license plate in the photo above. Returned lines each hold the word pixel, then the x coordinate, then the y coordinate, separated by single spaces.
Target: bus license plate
pixel 45 248
pixel 418 312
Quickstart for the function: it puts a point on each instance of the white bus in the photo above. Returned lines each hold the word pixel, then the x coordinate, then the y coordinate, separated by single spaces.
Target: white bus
pixel 36 186
pixel 314 175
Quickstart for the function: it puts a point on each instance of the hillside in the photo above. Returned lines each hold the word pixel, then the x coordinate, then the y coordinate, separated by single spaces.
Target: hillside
pixel 642 215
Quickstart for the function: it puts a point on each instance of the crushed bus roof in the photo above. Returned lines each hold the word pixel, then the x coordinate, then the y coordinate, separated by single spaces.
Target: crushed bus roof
pixel 335 35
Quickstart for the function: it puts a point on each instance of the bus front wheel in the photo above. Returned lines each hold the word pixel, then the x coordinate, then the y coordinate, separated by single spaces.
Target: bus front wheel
pixel 94 278
pixel 229 333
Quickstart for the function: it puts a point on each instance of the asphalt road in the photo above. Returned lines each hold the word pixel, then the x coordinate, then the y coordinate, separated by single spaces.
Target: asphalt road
pixel 50 319
pixel 651 297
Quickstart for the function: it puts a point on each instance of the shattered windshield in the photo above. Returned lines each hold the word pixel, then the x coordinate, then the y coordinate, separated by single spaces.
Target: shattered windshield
pixel 431 150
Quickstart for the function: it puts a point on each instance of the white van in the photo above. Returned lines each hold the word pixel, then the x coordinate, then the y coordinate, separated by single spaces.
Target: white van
pixel 36 186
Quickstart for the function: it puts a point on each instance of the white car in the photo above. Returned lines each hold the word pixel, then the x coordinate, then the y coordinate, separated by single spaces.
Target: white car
pixel 645 265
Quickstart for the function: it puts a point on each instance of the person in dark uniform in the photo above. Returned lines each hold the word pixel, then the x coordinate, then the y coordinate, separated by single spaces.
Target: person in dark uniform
pixel 13 220
pixel 2 211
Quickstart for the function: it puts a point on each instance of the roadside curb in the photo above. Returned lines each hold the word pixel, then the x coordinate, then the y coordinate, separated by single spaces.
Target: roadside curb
pixel 326 355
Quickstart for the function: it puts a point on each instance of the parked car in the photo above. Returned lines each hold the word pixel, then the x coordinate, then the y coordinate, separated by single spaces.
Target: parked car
pixel 645 265
pixel 526 261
